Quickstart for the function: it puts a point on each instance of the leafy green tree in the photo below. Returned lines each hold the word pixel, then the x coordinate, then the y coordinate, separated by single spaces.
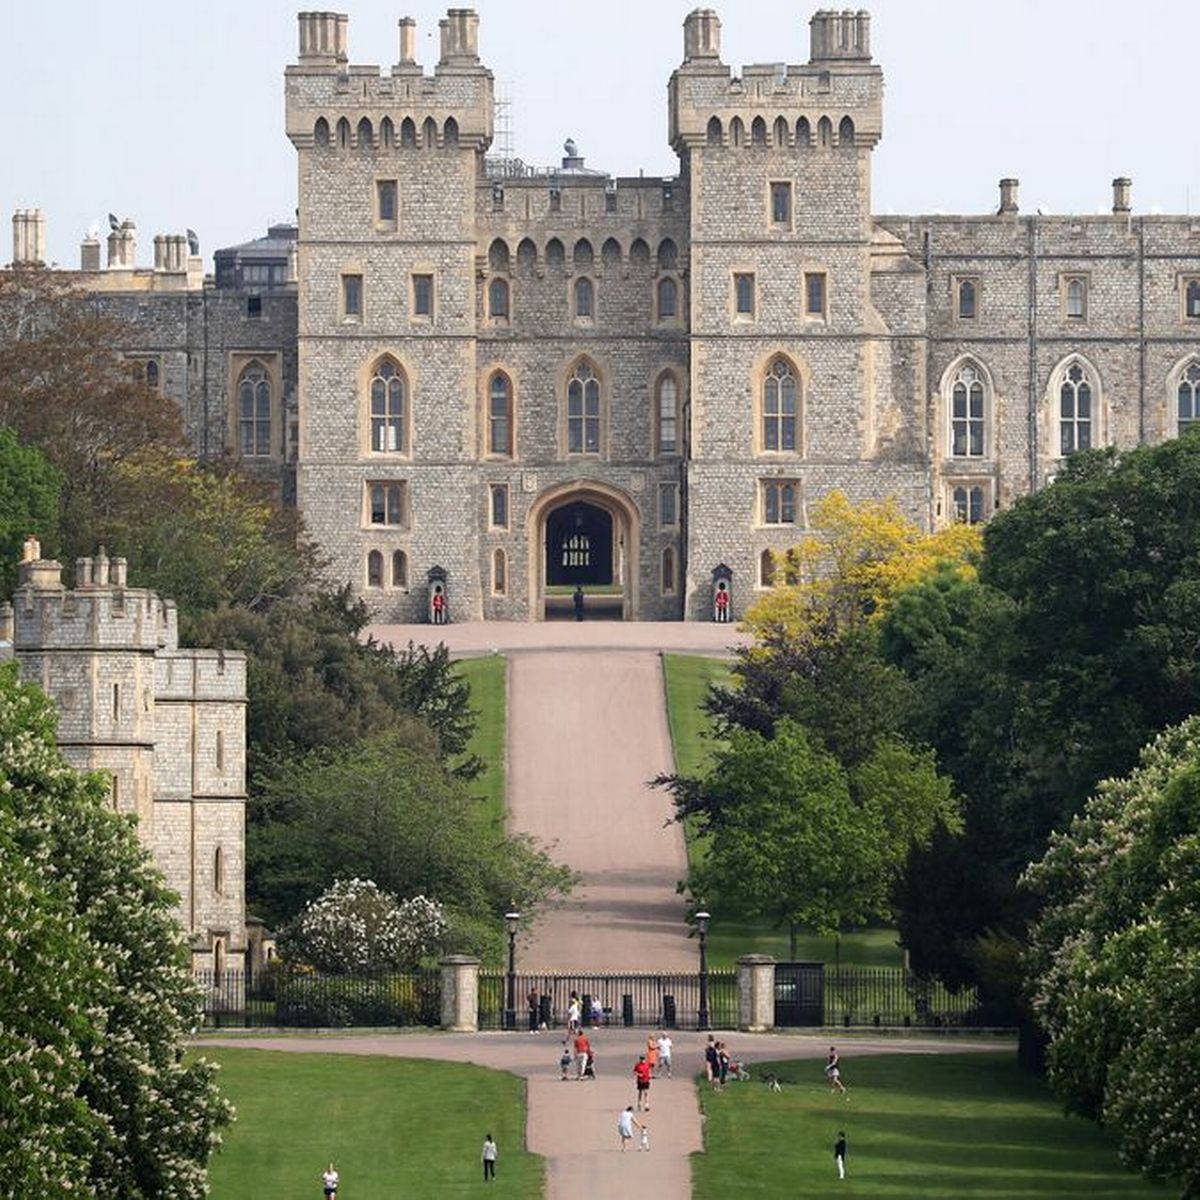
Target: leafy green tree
pixel 29 494
pixel 313 681
pixel 98 1002
pixel 796 837
pixel 384 810
pixel 1115 957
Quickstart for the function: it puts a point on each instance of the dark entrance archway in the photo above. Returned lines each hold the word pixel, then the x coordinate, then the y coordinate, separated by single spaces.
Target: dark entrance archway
pixel 579 546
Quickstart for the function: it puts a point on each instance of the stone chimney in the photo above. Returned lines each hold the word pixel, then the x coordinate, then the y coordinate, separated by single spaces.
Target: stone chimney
pixel 1008 196
pixel 701 35
pixel 7 622
pixel 29 237
pixel 122 246
pixel 835 36
pixel 460 37
pixel 120 567
pixel 323 38
pixel 408 41
pixel 1121 190
pixel 89 254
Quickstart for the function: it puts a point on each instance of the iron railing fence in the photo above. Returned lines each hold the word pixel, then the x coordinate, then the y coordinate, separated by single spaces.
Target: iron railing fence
pixel 306 1000
pixel 669 1001
pixel 892 996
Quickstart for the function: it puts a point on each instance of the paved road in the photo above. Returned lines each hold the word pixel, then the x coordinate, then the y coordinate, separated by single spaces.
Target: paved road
pixel 574 1124
pixel 586 732
pixel 486 637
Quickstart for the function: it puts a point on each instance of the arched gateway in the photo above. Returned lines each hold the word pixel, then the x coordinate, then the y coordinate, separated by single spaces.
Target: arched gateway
pixel 586 534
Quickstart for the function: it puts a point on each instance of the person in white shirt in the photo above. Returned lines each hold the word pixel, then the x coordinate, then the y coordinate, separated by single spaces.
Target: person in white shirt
pixel 489 1158
pixel 664 1053
pixel 626 1123
pixel 329 1179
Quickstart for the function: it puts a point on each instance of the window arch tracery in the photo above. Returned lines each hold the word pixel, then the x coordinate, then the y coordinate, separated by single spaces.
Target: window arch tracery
pixel 667 413
pixel 389 409
pixel 583 410
pixel 500 415
pixel 968 409
pixel 1076 410
pixel 254 411
pixel 780 406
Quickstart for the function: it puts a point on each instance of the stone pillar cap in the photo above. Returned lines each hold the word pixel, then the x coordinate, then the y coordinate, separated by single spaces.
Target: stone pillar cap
pixel 756 959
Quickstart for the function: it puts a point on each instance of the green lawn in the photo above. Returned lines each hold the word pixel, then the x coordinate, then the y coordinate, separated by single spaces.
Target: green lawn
pixel 688 678
pixel 488 679
pixel 393 1127
pixel 918 1127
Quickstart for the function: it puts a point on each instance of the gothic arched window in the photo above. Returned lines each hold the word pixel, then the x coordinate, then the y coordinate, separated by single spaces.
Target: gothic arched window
pixel 766 569
pixel 667 294
pixel 1075 411
pixel 375 569
pixel 779 407
pixel 254 411
pixel 668 570
pixel 499 573
pixel 218 871
pixel 583 297
pixel 966 299
pixel 389 419
pixel 1188 413
pixel 498 299
pixel 583 411
pixel 500 414
pixel 967 414
pixel 399 569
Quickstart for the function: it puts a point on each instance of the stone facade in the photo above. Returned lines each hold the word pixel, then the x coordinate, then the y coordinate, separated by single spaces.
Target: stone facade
pixel 749 334
pixel 168 725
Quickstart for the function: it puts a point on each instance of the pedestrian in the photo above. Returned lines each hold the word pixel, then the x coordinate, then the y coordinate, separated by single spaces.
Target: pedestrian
pixel 664 1052
pixel 652 1053
pixel 578 599
pixel 573 1013
pixel 839 1153
pixel 712 1064
pixel 833 1071
pixel 564 1063
pixel 582 1049
pixel 626 1123
pixel 589 1070
pixel 597 1011
pixel 532 1001
pixel 489 1158
pixel 641 1073
pixel 329 1180
pixel 722 1062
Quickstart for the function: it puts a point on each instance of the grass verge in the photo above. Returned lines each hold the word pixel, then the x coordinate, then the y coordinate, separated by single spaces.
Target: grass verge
pixel 393 1127
pixel 938 1127
pixel 488 678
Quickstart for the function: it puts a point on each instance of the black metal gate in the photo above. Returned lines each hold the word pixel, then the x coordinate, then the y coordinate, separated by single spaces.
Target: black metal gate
pixel 799 993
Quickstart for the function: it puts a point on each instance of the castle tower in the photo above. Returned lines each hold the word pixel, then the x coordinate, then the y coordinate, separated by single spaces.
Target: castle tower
pixel 778 161
pixel 388 164
pixel 167 725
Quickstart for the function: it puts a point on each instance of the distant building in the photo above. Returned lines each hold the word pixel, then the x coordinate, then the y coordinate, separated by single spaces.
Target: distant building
pixel 168 725
pixel 530 379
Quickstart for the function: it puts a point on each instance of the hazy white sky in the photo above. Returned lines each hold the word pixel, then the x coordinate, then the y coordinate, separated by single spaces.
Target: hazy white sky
pixel 173 113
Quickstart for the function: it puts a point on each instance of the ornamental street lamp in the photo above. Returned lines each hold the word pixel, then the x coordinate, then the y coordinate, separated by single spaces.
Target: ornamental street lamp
pixel 702 919
pixel 512 919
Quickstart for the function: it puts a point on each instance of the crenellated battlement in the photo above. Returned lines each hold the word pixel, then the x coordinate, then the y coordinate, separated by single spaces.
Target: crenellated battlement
pixel 101 613
pixel 835 100
pixel 332 104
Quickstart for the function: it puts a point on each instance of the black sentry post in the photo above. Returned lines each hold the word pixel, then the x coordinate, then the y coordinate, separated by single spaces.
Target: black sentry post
pixel 512 919
pixel 702 919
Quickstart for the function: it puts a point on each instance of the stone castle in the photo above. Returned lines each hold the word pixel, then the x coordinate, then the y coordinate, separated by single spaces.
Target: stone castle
pixel 167 725
pixel 504 382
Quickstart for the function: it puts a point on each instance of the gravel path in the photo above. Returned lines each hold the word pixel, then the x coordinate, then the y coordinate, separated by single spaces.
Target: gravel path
pixel 586 731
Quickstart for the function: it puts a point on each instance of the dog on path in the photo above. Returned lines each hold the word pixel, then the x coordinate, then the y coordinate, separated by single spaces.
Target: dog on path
pixel 772 1081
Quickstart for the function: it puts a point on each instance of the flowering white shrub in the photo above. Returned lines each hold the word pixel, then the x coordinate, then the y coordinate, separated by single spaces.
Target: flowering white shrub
pixel 355 926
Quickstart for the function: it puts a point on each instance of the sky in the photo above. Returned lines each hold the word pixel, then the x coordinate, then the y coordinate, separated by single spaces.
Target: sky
pixel 172 113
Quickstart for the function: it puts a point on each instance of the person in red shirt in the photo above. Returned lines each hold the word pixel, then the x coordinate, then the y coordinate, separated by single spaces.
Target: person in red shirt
pixel 641 1072
pixel 582 1048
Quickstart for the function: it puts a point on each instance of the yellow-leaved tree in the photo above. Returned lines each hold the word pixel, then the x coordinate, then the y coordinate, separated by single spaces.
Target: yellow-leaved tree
pixel 850 566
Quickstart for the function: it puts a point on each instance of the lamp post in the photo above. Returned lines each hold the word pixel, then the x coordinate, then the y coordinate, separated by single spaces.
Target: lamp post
pixel 702 926
pixel 512 919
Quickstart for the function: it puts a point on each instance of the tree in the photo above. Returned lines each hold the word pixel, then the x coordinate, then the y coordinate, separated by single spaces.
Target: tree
pixel 65 389
pixel 313 682
pixel 1115 957
pixel 384 810
pixel 849 567
pixel 796 837
pixel 98 1099
pixel 354 926
pixel 29 495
